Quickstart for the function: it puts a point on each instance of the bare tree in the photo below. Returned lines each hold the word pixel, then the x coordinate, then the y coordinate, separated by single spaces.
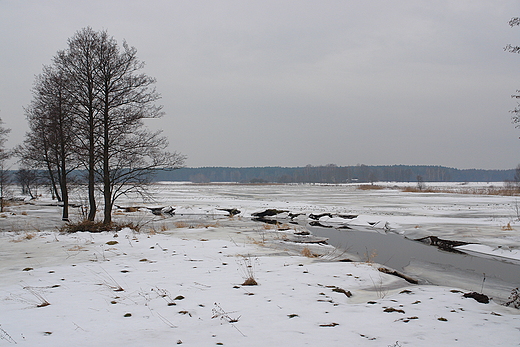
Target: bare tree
pixel 420 183
pixel 78 64
pixel 129 153
pixel 4 173
pixel 515 21
pixel 29 180
pixel 50 143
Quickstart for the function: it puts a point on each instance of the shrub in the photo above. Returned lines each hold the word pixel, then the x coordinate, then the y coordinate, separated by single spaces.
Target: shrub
pixel 96 227
pixel 514 299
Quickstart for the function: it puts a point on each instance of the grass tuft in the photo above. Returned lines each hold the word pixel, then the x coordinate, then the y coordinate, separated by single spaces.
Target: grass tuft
pixel 306 252
pixel 248 271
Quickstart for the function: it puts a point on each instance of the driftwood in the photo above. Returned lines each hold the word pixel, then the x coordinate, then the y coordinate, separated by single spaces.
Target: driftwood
pixel 232 211
pixel 129 208
pixel 398 274
pixel 268 213
pixel 307 239
pixel 446 245
pixel 318 216
pixel 158 211
pixel 347 216
pixel 315 223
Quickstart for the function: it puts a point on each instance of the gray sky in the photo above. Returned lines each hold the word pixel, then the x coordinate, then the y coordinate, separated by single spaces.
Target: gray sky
pixel 291 83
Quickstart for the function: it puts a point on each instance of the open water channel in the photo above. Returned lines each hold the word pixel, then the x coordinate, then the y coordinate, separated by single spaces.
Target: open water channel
pixel 427 263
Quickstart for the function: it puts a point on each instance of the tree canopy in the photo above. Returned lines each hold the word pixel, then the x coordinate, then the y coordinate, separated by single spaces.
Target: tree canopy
pixel 88 110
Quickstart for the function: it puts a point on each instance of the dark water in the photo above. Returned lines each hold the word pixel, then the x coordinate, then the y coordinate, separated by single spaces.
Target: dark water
pixel 442 268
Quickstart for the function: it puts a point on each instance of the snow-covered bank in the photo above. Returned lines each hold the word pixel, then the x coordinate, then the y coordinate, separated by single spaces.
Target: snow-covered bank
pixel 181 276
pixel 184 286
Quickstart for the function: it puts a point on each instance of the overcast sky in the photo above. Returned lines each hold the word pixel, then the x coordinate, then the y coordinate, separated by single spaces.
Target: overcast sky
pixel 291 83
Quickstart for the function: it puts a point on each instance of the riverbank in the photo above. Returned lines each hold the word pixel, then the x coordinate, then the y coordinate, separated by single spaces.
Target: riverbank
pixel 181 278
pixel 186 286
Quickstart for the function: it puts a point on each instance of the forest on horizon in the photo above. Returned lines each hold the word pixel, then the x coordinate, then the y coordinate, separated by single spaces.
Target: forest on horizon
pixel 334 174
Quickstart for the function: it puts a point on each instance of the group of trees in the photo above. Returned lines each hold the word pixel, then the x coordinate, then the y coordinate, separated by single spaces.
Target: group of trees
pixel 87 114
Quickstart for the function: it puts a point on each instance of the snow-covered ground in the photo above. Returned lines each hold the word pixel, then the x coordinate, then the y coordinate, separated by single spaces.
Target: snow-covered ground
pixel 180 279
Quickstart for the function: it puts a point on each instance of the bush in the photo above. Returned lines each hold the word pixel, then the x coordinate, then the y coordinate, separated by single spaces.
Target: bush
pixel 96 227
pixel 514 299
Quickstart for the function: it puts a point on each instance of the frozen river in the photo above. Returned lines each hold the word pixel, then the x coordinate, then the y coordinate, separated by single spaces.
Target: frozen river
pixel 386 218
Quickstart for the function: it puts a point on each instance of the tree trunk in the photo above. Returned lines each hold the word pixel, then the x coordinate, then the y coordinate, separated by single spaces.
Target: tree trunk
pixel 65 194
pixel 107 191
pixel 91 172
pixel 53 181
pixel 63 185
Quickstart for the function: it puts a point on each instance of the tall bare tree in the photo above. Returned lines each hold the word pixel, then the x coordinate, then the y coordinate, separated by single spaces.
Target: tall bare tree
pixel 515 21
pixel 128 152
pixel 78 64
pixel 50 143
pixel 4 173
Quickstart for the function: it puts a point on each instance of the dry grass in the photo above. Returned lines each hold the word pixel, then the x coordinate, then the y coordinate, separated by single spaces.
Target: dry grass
pixel 248 270
pixel 283 227
pixel 96 227
pixel 25 237
pixel 369 257
pixel 507 190
pixel 501 191
pixel 40 300
pixel 267 226
pixel 206 225
pixel 250 281
pixel 76 248
pixel 181 224
pixel 370 187
pixel 162 228
pixel 306 252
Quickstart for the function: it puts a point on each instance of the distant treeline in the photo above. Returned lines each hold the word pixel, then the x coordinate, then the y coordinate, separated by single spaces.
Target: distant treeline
pixel 334 174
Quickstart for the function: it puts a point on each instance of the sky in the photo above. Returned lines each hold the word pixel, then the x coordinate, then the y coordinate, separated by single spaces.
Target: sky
pixel 292 83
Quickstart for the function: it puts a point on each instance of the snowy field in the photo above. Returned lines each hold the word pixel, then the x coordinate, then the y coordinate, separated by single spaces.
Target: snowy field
pixel 181 279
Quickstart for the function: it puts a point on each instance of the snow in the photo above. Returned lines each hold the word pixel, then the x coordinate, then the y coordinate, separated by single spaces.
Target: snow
pixel 182 283
pixel 503 253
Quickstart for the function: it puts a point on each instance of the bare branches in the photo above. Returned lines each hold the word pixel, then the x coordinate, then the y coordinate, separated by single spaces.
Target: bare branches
pixel 514 21
pixel 4 174
pixel 88 108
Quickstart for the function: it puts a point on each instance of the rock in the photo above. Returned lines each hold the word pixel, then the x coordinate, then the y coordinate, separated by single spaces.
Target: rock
pixel 483 299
